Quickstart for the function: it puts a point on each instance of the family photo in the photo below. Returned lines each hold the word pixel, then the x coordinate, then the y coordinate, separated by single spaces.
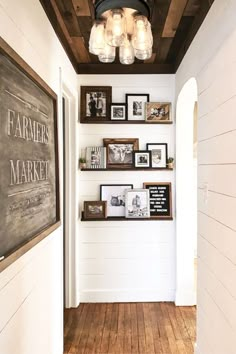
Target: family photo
pixel 96 104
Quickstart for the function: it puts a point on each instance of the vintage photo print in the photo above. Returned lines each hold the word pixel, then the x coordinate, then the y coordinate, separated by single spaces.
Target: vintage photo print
pixel 158 112
pixel 142 159
pixel 96 104
pixel 159 155
pixel 137 203
pixel 114 195
pixel 136 106
pixel 118 111
pixel 95 210
pixel 120 152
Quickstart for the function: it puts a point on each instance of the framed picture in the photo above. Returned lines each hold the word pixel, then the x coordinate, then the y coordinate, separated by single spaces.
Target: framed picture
pixel 29 175
pixel 118 111
pixel 95 103
pixel 95 210
pixel 142 159
pixel 137 203
pixel 120 152
pixel 160 199
pixel 136 105
pixel 159 154
pixel 114 195
pixel 158 112
pixel 95 157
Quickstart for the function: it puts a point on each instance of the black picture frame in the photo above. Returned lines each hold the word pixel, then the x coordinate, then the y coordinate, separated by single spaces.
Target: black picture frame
pixel 117 118
pixel 30 199
pixel 114 195
pixel 138 113
pixel 142 164
pixel 95 102
pixel 159 154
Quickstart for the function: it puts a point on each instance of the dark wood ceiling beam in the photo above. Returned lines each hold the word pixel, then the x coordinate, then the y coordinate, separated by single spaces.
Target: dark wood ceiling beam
pixel 69 17
pixel 81 8
pixel 159 14
pixel 102 69
pixel 174 16
pixel 198 20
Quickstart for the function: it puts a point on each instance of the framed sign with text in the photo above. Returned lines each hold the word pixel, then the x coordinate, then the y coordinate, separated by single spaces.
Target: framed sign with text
pixel 29 176
pixel 160 199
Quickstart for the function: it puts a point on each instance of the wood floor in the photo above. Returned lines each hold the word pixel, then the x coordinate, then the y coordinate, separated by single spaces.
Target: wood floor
pixel 128 328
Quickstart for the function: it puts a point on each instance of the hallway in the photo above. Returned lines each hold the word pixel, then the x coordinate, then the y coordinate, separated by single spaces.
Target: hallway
pixel 139 328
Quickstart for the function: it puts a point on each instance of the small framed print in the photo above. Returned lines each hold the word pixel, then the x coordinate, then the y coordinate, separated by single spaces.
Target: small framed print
pixel 120 152
pixel 142 159
pixel 159 153
pixel 160 199
pixel 95 210
pixel 158 112
pixel 136 106
pixel 95 103
pixel 137 203
pixel 118 111
pixel 114 195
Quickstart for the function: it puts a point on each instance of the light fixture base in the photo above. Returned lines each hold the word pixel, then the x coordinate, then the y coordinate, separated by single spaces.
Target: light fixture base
pixel 141 6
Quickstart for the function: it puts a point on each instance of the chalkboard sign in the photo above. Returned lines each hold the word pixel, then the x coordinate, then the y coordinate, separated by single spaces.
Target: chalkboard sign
pixel 29 188
pixel 160 200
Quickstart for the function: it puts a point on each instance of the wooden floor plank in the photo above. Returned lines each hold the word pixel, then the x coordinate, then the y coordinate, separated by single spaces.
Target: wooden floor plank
pixel 130 328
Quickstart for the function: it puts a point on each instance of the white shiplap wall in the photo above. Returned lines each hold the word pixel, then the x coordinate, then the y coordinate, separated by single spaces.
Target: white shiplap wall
pixel 127 261
pixel 31 289
pixel 211 59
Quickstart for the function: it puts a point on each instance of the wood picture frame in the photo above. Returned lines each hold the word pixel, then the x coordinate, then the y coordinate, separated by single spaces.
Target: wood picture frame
pixel 120 152
pixel 114 195
pixel 159 154
pixel 95 103
pixel 118 111
pixel 160 195
pixel 142 159
pixel 136 105
pixel 158 112
pixel 95 210
pixel 29 172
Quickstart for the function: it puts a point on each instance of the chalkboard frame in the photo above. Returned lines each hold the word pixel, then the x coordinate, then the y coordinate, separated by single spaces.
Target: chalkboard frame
pixel 20 64
pixel 169 216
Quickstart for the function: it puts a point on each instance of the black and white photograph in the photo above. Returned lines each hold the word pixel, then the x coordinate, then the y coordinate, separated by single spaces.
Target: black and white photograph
pixel 142 159
pixel 137 203
pixel 96 157
pixel 120 152
pixel 136 104
pixel 95 103
pixel 118 111
pixel 159 154
pixel 114 195
pixel 158 112
pixel 95 210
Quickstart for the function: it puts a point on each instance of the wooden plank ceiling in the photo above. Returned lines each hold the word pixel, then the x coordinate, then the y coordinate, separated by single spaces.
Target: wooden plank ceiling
pixel 174 25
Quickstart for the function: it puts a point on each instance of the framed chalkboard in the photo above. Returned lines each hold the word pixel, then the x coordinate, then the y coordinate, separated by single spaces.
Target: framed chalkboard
pixel 160 199
pixel 29 176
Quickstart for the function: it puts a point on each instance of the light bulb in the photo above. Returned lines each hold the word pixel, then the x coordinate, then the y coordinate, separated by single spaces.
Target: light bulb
pixel 115 28
pixel 96 40
pixel 142 36
pixel 126 53
pixel 108 54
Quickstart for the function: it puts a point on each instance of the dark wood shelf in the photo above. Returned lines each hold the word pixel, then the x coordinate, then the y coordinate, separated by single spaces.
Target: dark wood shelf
pixel 126 122
pixel 127 219
pixel 127 169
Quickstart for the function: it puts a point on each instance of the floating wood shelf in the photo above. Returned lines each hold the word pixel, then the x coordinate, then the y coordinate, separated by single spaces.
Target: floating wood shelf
pixel 127 169
pixel 126 122
pixel 127 219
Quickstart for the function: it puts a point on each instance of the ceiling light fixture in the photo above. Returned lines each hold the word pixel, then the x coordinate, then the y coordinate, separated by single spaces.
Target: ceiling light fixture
pixel 124 24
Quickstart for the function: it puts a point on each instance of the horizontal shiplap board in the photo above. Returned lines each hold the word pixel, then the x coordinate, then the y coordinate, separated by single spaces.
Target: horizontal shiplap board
pixel 219 235
pixel 218 150
pixel 134 177
pixel 220 295
pixel 126 251
pixel 220 178
pixel 218 206
pixel 222 268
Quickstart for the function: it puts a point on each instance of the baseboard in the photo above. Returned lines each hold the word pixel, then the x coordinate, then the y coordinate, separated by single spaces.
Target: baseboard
pixel 185 298
pixel 127 295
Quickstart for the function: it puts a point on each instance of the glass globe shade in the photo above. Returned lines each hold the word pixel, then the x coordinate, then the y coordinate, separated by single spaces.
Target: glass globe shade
pixel 142 37
pixel 107 54
pixel 126 53
pixel 143 54
pixel 115 28
pixel 97 40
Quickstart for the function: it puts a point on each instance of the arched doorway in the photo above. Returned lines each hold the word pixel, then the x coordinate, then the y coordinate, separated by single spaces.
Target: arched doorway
pixel 186 194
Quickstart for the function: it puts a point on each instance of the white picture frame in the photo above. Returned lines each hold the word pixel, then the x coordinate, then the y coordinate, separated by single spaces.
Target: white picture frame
pixel 137 204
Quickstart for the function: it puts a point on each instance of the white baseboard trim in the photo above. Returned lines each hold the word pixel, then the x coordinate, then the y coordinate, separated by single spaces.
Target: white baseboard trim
pixel 185 298
pixel 127 295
